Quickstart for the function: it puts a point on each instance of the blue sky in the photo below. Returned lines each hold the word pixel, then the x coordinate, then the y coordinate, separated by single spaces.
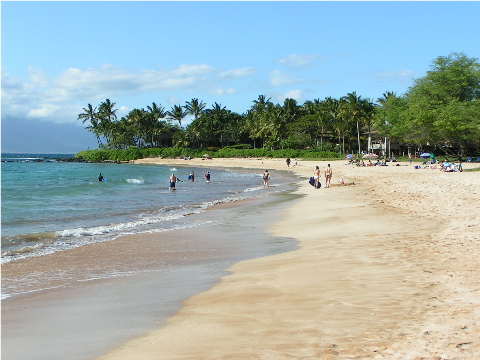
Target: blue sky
pixel 59 56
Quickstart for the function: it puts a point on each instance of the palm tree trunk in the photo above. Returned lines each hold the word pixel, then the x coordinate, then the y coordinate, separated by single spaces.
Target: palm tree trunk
pixel 358 137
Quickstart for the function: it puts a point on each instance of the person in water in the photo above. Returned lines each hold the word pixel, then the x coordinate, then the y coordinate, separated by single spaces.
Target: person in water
pixel 266 177
pixel 207 176
pixel 173 180
pixel 192 176
pixel 100 177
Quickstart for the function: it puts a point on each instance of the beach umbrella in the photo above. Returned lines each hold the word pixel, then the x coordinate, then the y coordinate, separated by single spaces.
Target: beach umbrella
pixel 349 156
pixel 370 156
pixel 425 155
pixel 206 155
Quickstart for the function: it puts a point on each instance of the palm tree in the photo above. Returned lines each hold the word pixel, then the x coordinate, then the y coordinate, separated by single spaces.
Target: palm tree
pixel 106 115
pixel 322 116
pixel 123 134
pixel 177 113
pixel 218 120
pixel 256 117
pixel 386 96
pixel 353 110
pixel 136 119
pixel 90 114
pixel 332 107
pixel 153 121
pixel 194 107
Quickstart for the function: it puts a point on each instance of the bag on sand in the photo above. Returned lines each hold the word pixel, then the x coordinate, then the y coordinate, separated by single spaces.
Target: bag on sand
pixel 311 181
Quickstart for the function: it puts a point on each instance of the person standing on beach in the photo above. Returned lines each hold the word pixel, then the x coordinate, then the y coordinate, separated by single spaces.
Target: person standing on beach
pixel 266 177
pixel 288 162
pixel 173 180
pixel 410 158
pixel 328 176
pixel 316 177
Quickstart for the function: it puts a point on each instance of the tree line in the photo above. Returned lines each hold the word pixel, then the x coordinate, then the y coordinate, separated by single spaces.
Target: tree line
pixel 439 112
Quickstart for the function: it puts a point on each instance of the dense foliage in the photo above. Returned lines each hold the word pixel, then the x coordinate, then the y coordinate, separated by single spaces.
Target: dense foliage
pixel 440 112
pixel 134 153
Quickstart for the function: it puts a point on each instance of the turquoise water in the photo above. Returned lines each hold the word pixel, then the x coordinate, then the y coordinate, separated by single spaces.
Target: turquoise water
pixel 50 206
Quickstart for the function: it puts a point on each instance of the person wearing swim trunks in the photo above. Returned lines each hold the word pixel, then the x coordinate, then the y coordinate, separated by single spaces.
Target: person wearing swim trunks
pixel 316 177
pixel 328 176
pixel 173 180
pixel 266 177
pixel 192 176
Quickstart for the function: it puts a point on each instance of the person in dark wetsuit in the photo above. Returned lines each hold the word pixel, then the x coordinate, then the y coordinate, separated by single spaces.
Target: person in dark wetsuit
pixel 100 177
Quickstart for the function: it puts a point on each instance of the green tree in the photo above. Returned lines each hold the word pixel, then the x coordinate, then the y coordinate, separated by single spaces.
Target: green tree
pixel 356 112
pixel 107 115
pixel 195 107
pixel 256 118
pixel 154 123
pixel 441 109
pixel 90 115
pixel 177 113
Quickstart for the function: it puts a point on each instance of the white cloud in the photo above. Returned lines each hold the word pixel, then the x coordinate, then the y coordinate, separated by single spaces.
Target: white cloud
pixel 36 76
pixel 238 73
pixel 278 78
pixel 45 110
pixel 173 100
pixel 223 91
pixel 295 60
pixel 403 76
pixel 291 94
pixel 61 98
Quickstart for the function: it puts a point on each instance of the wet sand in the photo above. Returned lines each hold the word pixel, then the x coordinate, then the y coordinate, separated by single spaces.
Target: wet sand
pixel 388 269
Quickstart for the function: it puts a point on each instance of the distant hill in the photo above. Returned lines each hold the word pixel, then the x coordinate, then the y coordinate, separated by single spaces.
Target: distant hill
pixel 33 136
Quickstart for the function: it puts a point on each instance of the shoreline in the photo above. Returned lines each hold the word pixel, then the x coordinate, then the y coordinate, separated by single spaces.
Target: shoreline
pixel 409 290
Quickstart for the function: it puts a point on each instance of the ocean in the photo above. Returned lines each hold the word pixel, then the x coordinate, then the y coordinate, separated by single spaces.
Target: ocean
pixel 50 206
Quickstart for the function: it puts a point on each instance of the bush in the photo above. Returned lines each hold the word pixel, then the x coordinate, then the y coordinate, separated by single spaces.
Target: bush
pixel 134 153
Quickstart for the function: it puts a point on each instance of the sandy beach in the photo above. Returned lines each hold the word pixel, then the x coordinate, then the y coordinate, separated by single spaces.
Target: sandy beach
pixel 388 268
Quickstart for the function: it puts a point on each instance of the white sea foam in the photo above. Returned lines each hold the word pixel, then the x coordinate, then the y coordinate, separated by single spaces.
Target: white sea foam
pixel 136 181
